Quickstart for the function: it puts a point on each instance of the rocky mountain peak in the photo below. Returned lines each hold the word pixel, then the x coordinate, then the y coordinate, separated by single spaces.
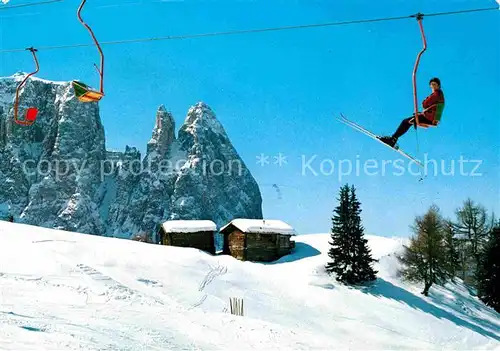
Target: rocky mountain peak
pixel 58 174
pixel 163 134
pixel 201 117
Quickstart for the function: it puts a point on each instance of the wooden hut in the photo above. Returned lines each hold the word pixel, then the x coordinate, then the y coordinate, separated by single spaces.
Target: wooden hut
pixel 257 239
pixel 198 234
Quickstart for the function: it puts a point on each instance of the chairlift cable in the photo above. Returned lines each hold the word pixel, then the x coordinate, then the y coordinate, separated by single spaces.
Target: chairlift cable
pixel 247 31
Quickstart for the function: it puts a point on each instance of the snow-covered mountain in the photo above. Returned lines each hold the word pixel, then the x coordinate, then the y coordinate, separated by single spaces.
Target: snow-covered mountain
pixel 68 291
pixel 58 174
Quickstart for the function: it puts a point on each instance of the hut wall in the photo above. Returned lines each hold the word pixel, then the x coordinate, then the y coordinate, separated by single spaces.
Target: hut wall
pixel 225 246
pixel 267 247
pixel 255 246
pixel 163 236
pixel 236 242
pixel 285 245
pixel 261 247
pixel 198 240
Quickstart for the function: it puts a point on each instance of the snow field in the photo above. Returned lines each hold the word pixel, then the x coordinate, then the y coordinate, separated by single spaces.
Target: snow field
pixel 61 290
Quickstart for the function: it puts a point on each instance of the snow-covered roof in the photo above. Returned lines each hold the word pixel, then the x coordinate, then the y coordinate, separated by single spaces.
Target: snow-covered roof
pixel 262 226
pixel 189 226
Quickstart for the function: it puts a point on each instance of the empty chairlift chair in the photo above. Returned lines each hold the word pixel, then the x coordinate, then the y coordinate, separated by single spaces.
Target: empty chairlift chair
pixel 82 91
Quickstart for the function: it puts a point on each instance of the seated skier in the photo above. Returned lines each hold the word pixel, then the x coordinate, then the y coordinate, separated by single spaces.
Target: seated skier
pixel 427 117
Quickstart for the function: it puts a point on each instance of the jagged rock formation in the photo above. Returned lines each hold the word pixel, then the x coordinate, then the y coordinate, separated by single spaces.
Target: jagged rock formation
pixel 50 171
pixel 197 176
pixel 54 175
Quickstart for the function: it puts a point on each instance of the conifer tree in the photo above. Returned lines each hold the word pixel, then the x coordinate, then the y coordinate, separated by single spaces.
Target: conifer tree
pixel 350 255
pixel 362 265
pixel 489 271
pixel 339 245
pixel 450 251
pixel 424 259
pixel 471 227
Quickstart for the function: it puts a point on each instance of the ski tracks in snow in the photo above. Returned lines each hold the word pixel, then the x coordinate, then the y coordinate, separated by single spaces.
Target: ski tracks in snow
pixel 213 273
pixel 102 285
pixel 113 289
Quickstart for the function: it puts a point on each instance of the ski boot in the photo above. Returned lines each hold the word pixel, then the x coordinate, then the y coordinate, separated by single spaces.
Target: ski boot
pixel 389 140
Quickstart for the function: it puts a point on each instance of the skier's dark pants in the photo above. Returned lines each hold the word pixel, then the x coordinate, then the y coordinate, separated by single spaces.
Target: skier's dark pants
pixel 407 123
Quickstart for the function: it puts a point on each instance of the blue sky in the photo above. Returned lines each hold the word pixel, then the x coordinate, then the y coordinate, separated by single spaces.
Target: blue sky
pixel 278 92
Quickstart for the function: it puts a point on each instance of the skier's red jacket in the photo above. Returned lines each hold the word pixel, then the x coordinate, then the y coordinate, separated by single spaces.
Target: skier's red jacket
pixel 435 98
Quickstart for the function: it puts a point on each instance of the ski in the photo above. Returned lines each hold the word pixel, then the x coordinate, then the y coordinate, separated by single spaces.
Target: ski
pixel 365 131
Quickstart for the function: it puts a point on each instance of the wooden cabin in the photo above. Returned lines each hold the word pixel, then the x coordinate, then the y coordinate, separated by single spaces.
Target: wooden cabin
pixel 257 239
pixel 198 234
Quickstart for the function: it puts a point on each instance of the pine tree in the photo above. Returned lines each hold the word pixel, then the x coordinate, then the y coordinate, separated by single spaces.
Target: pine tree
pixel 489 271
pixel 339 236
pixel 424 259
pixel 349 252
pixel 363 260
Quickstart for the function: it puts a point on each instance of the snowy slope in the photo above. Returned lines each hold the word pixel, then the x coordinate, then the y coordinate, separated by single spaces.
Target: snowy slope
pixel 68 291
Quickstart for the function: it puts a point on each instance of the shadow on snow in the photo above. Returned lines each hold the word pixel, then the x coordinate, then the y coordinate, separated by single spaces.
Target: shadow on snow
pixel 300 252
pixel 383 288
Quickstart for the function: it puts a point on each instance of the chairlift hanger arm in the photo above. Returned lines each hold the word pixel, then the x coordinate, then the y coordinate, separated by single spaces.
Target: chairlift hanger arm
pixel 20 86
pixel 101 69
pixel 419 18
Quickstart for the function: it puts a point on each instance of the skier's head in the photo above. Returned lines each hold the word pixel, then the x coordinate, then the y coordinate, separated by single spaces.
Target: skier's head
pixel 435 83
